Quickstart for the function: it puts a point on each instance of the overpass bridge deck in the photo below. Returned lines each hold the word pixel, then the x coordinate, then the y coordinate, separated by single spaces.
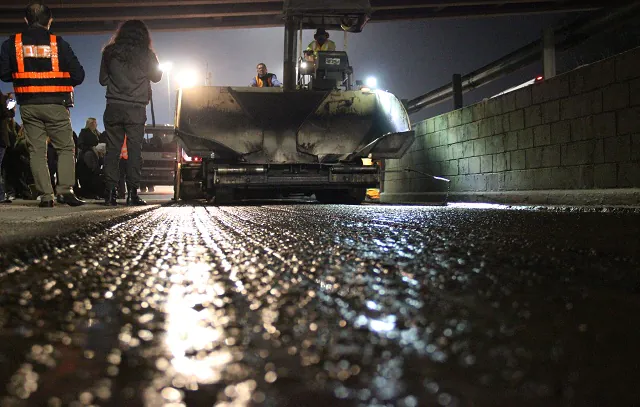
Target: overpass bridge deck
pixel 103 16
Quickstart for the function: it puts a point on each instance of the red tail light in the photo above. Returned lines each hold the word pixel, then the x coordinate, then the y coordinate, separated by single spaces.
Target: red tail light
pixel 193 159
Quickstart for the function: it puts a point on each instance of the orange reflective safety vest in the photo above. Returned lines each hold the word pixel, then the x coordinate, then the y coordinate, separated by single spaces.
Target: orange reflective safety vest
pixel 124 151
pixel 264 83
pixel 52 81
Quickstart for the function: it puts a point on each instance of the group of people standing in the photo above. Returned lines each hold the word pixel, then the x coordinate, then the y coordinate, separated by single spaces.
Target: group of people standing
pixel 44 71
pixel 13 150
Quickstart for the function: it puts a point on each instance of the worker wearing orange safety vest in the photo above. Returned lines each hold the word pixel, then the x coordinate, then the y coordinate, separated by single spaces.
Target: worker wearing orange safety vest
pixel 264 79
pixel 44 70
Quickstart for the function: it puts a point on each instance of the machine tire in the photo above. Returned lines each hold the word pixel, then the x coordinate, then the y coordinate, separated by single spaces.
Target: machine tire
pixel 188 192
pixel 352 196
pixel 355 196
pixel 222 196
pixel 176 182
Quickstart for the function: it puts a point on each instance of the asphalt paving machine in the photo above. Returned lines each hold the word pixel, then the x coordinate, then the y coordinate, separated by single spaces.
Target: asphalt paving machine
pixel 309 136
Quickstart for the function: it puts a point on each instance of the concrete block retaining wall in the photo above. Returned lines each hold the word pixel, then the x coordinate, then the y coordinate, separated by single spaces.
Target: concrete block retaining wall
pixel 572 139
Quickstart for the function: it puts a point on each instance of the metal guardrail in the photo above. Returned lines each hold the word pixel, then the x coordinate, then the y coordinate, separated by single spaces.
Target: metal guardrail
pixel 408 169
pixel 566 37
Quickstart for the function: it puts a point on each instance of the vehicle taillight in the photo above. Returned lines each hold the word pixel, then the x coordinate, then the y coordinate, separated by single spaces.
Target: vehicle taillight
pixel 539 78
pixel 188 159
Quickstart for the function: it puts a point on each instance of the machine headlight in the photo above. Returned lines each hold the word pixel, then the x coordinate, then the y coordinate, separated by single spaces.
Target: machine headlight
pixel 371 82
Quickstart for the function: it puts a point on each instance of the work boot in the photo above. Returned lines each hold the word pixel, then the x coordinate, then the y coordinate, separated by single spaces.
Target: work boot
pixel 46 204
pixel 111 197
pixel 70 199
pixel 133 199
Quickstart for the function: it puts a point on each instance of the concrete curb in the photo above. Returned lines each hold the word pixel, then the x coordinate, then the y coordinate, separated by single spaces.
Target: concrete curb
pixel 21 223
pixel 622 196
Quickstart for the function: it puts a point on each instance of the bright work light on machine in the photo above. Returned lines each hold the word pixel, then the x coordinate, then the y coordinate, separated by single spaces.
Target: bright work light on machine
pixel 371 82
pixel 303 65
pixel 187 79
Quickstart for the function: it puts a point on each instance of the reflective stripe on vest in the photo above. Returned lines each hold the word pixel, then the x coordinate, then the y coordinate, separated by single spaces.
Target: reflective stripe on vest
pixel 43 89
pixel 36 51
pixel 32 78
pixel 317 47
pixel 19 53
pixel 55 64
pixel 261 84
pixel 41 75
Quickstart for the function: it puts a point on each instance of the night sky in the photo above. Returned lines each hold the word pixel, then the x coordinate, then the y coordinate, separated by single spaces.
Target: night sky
pixel 407 58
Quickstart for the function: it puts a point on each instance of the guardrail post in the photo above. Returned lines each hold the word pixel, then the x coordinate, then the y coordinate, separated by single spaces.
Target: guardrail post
pixel 548 53
pixel 457 91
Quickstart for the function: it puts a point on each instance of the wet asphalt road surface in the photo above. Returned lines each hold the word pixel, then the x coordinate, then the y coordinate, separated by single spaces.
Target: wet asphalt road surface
pixel 312 305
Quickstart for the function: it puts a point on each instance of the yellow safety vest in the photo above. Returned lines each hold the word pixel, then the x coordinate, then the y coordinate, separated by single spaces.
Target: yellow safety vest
pixel 327 46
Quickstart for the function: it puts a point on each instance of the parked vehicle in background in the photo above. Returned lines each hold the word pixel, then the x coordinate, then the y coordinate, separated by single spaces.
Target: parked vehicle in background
pixel 159 150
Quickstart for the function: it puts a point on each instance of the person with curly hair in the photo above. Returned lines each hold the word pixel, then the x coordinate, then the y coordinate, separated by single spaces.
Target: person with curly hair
pixel 128 67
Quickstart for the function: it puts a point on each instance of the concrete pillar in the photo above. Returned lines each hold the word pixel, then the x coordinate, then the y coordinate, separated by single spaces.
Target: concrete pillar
pixel 289 66
pixel 457 91
pixel 548 53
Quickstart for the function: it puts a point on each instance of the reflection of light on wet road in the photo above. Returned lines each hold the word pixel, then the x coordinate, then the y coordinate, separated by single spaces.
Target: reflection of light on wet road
pixel 192 330
pixel 326 306
pixel 384 324
pixel 476 205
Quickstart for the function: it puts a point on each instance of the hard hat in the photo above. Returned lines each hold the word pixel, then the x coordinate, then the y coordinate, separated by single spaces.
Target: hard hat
pixel 320 31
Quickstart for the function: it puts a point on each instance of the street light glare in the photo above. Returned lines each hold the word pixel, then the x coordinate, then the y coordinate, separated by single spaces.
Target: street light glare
pixel 166 66
pixel 187 79
pixel 371 82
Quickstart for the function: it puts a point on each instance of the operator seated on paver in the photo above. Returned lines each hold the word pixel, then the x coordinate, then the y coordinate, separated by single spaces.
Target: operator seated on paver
pixel 321 42
pixel 264 79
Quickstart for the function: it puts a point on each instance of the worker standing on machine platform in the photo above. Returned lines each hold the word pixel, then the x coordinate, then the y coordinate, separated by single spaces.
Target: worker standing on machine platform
pixel 321 42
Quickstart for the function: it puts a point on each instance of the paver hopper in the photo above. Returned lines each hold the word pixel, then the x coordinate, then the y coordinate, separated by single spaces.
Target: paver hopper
pixel 304 139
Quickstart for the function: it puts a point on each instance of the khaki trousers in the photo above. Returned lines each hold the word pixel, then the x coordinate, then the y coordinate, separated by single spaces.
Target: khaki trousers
pixel 53 122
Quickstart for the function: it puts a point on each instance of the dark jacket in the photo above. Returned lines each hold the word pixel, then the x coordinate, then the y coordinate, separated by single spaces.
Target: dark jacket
pixel 129 85
pixel 10 131
pixel 4 134
pixel 5 141
pixel 37 35
pixel 6 123
pixel 87 139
